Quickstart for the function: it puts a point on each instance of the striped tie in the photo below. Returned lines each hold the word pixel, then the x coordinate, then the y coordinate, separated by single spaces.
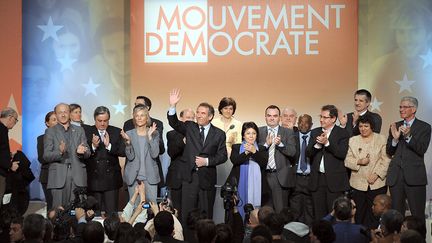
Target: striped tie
pixel 271 162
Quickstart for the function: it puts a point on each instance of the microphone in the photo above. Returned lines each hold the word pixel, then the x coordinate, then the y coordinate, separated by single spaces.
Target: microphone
pixel 230 128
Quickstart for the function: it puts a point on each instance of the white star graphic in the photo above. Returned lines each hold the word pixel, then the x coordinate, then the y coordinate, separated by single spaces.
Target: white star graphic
pixel 90 87
pixel 66 62
pixel 405 84
pixel 375 105
pixel 119 108
pixel 50 30
pixel 427 59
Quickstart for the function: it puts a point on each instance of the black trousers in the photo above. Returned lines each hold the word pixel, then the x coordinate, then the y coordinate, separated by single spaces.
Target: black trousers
pixel 193 196
pixel 108 200
pixel 48 196
pixel 323 198
pixel 416 196
pixel 301 200
pixel 176 199
pixel 364 202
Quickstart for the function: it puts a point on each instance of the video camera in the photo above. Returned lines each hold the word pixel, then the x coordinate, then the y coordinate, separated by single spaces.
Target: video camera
pixel 228 191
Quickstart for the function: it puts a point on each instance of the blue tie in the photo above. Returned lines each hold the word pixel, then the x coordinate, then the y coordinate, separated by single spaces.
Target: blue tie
pixel 303 164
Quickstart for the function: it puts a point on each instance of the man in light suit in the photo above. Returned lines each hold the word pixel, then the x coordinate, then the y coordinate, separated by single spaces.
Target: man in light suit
pixel 327 150
pixel 103 168
pixel 205 148
pixel 407 143
pixel 280 170
pixel 362 100
pixel 65 148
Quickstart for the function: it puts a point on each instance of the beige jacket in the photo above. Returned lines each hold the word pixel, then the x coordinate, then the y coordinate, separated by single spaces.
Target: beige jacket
pixel 379 161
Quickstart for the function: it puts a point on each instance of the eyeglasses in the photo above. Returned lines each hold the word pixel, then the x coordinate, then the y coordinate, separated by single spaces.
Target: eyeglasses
pixel 405 106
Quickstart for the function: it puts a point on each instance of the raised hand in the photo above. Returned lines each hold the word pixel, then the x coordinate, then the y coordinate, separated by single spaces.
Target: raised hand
pixel 151 130
pixel 62 147
pixel 343 119
pixel 125 137
pixel 174 97
pixel 269 138
pixel 395 131
pixel 95 140
pixel 106 139
pixel 81 149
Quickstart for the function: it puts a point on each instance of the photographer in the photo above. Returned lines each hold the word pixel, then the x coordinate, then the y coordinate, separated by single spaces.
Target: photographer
pixel 344 227
pixel 165 206
pixel 139 214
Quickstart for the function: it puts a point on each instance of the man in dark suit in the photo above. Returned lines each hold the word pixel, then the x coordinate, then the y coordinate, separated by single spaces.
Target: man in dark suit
pixel 362 100
pixel 128 125
pixel 65 148
pixel 8 119
pixel 280 171
pixel 327 149
pixel 176 144
pixel 407 143
pixel 103 169
pixel 301 199
pixel 205 149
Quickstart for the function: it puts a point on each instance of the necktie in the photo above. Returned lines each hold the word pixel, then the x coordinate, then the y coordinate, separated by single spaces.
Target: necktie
pixel 202 135
pixel 271 162
pixel 102 134
pixel 303 165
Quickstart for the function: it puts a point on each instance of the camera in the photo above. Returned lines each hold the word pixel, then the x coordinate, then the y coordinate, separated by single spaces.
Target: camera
pixel 146 205
pixel 228 191
pixel 348 194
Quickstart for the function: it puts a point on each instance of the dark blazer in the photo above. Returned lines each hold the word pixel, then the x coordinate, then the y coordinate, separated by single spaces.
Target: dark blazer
pixel 175 147
pixel 284 155
pixel 354 131
pixel 334 156
pixel 5 156
pixel 214 149
pixel 43 176
pixel 409 157
pixel 103 168
pixel 261 157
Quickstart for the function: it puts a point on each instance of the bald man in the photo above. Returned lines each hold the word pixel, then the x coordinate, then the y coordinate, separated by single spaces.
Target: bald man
pixel 8 119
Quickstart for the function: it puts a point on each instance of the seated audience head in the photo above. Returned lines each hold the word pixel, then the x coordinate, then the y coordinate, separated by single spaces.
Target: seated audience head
pixel 411 236
pixel 125 233
pixel 343 209
pixel 414 223
pixel 322 232
pixel 34 227
pixel 275 223
pixel 93 232
pixel 381 204
pixel 111 224
pixel 164 223
pixel 49 231
pixel 16 227
pixel 263 231
pixel 263 213
pixel 224 233
pixel 259 239
pixel 391 222
pixel 205 230
pixel 288 215
pixel 194 216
